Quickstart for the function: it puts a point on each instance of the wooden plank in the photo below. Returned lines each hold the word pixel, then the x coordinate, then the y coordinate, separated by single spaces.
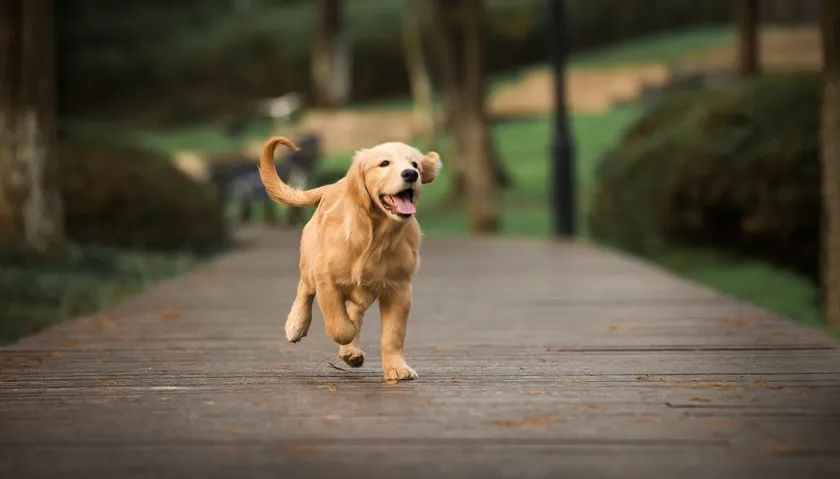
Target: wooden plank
pixel 536 359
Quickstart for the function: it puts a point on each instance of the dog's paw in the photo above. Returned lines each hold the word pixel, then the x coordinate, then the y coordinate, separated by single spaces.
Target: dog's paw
pixel 399 373
pixel 296 328
pixel 354 357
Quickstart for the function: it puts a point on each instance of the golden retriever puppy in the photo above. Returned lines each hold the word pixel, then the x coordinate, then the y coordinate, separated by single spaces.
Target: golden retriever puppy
pixel 362 244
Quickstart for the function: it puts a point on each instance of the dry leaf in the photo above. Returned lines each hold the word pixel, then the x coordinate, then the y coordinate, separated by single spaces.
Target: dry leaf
pixel 170 315
pixel 778 448
pixel 765 385
pixel 298 449
pixel 528 422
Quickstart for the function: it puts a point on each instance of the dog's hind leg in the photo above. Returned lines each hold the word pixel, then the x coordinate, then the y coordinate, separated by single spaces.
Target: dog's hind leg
pixel 352 353
pixel 338 324
pixel 297 323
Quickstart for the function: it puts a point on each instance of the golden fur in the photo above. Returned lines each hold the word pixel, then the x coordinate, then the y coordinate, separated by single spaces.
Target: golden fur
pixel 355 250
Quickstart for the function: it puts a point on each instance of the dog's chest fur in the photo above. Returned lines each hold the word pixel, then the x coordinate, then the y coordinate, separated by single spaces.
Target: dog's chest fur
pixel 383 269
pixel 379 260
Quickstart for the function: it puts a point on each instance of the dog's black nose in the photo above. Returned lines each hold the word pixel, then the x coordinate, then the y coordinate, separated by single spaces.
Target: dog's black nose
pixel 409 175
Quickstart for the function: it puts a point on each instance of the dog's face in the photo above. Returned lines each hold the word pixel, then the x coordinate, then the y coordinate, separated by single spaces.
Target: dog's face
pixel 392 175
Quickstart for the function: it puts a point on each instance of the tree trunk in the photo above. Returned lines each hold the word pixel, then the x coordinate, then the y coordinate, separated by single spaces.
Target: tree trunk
pixel 418 73
pixel 748 47
pixel 330 61
pixel 445 42
pixel 30 203
pixel 459 34
pixel 831 160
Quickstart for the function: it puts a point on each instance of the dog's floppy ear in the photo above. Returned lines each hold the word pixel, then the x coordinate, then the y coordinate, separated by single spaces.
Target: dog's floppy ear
pixel 356 181
pixel 431 166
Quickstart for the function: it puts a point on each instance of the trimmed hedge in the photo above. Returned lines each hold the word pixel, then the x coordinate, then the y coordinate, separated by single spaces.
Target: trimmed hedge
pixel 131 199
pixel 734 167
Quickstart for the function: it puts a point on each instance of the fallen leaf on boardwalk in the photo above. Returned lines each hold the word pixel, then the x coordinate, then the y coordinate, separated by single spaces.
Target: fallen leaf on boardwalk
pixel 643 377
pixel 298 449
pixel 765 385
pixel 778 448
pixel 586 407
pixel 700 384
pixel 529 422
pixel 458 378
pixel 701 399
pixel 55 354
pixel 170 315
pixel 723 385
pixel 533 392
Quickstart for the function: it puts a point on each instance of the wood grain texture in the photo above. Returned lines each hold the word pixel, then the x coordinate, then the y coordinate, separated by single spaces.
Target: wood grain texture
pixel 536 359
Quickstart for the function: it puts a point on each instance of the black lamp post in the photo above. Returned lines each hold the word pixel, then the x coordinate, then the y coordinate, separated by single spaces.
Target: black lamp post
pixel 562 152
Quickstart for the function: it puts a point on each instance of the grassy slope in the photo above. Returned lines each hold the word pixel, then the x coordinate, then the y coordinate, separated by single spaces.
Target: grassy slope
pixel 664 47
pixel 36 292
pixel 755 281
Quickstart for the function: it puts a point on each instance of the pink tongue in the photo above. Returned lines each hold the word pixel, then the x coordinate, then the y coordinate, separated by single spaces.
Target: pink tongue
pixel 403 206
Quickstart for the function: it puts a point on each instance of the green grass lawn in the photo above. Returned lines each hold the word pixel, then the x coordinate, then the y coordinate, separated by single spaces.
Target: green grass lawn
pixel 524 147
pixel 784 292
pixel 664 47
pixel 37 292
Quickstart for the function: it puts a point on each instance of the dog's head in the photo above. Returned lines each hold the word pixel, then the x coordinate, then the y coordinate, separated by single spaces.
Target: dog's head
pixel 390 177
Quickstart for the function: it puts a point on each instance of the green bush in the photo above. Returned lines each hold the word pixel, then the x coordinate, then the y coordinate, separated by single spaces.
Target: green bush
pixel 37 291
pixel 734 167
pixel 131 199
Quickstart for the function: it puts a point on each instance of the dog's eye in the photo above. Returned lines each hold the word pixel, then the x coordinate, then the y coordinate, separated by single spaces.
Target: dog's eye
pixel 414 164
pixel 384 163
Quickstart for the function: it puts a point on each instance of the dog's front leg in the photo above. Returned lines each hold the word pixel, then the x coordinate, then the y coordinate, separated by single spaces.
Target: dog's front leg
pixel 338 324
pixel 297 323
pixel 394 308
pixel 352 353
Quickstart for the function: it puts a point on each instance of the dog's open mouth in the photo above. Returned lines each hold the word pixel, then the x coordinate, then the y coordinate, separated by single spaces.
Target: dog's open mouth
pixel 401 204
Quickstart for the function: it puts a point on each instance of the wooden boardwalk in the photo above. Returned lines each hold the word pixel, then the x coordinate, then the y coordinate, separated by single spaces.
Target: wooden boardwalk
pixel 536 359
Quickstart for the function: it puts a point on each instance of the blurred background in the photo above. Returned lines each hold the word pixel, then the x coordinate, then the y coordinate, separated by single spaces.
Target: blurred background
pixel 685 132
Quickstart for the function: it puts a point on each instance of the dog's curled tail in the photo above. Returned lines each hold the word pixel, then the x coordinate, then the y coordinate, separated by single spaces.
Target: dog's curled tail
pixel 274 186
